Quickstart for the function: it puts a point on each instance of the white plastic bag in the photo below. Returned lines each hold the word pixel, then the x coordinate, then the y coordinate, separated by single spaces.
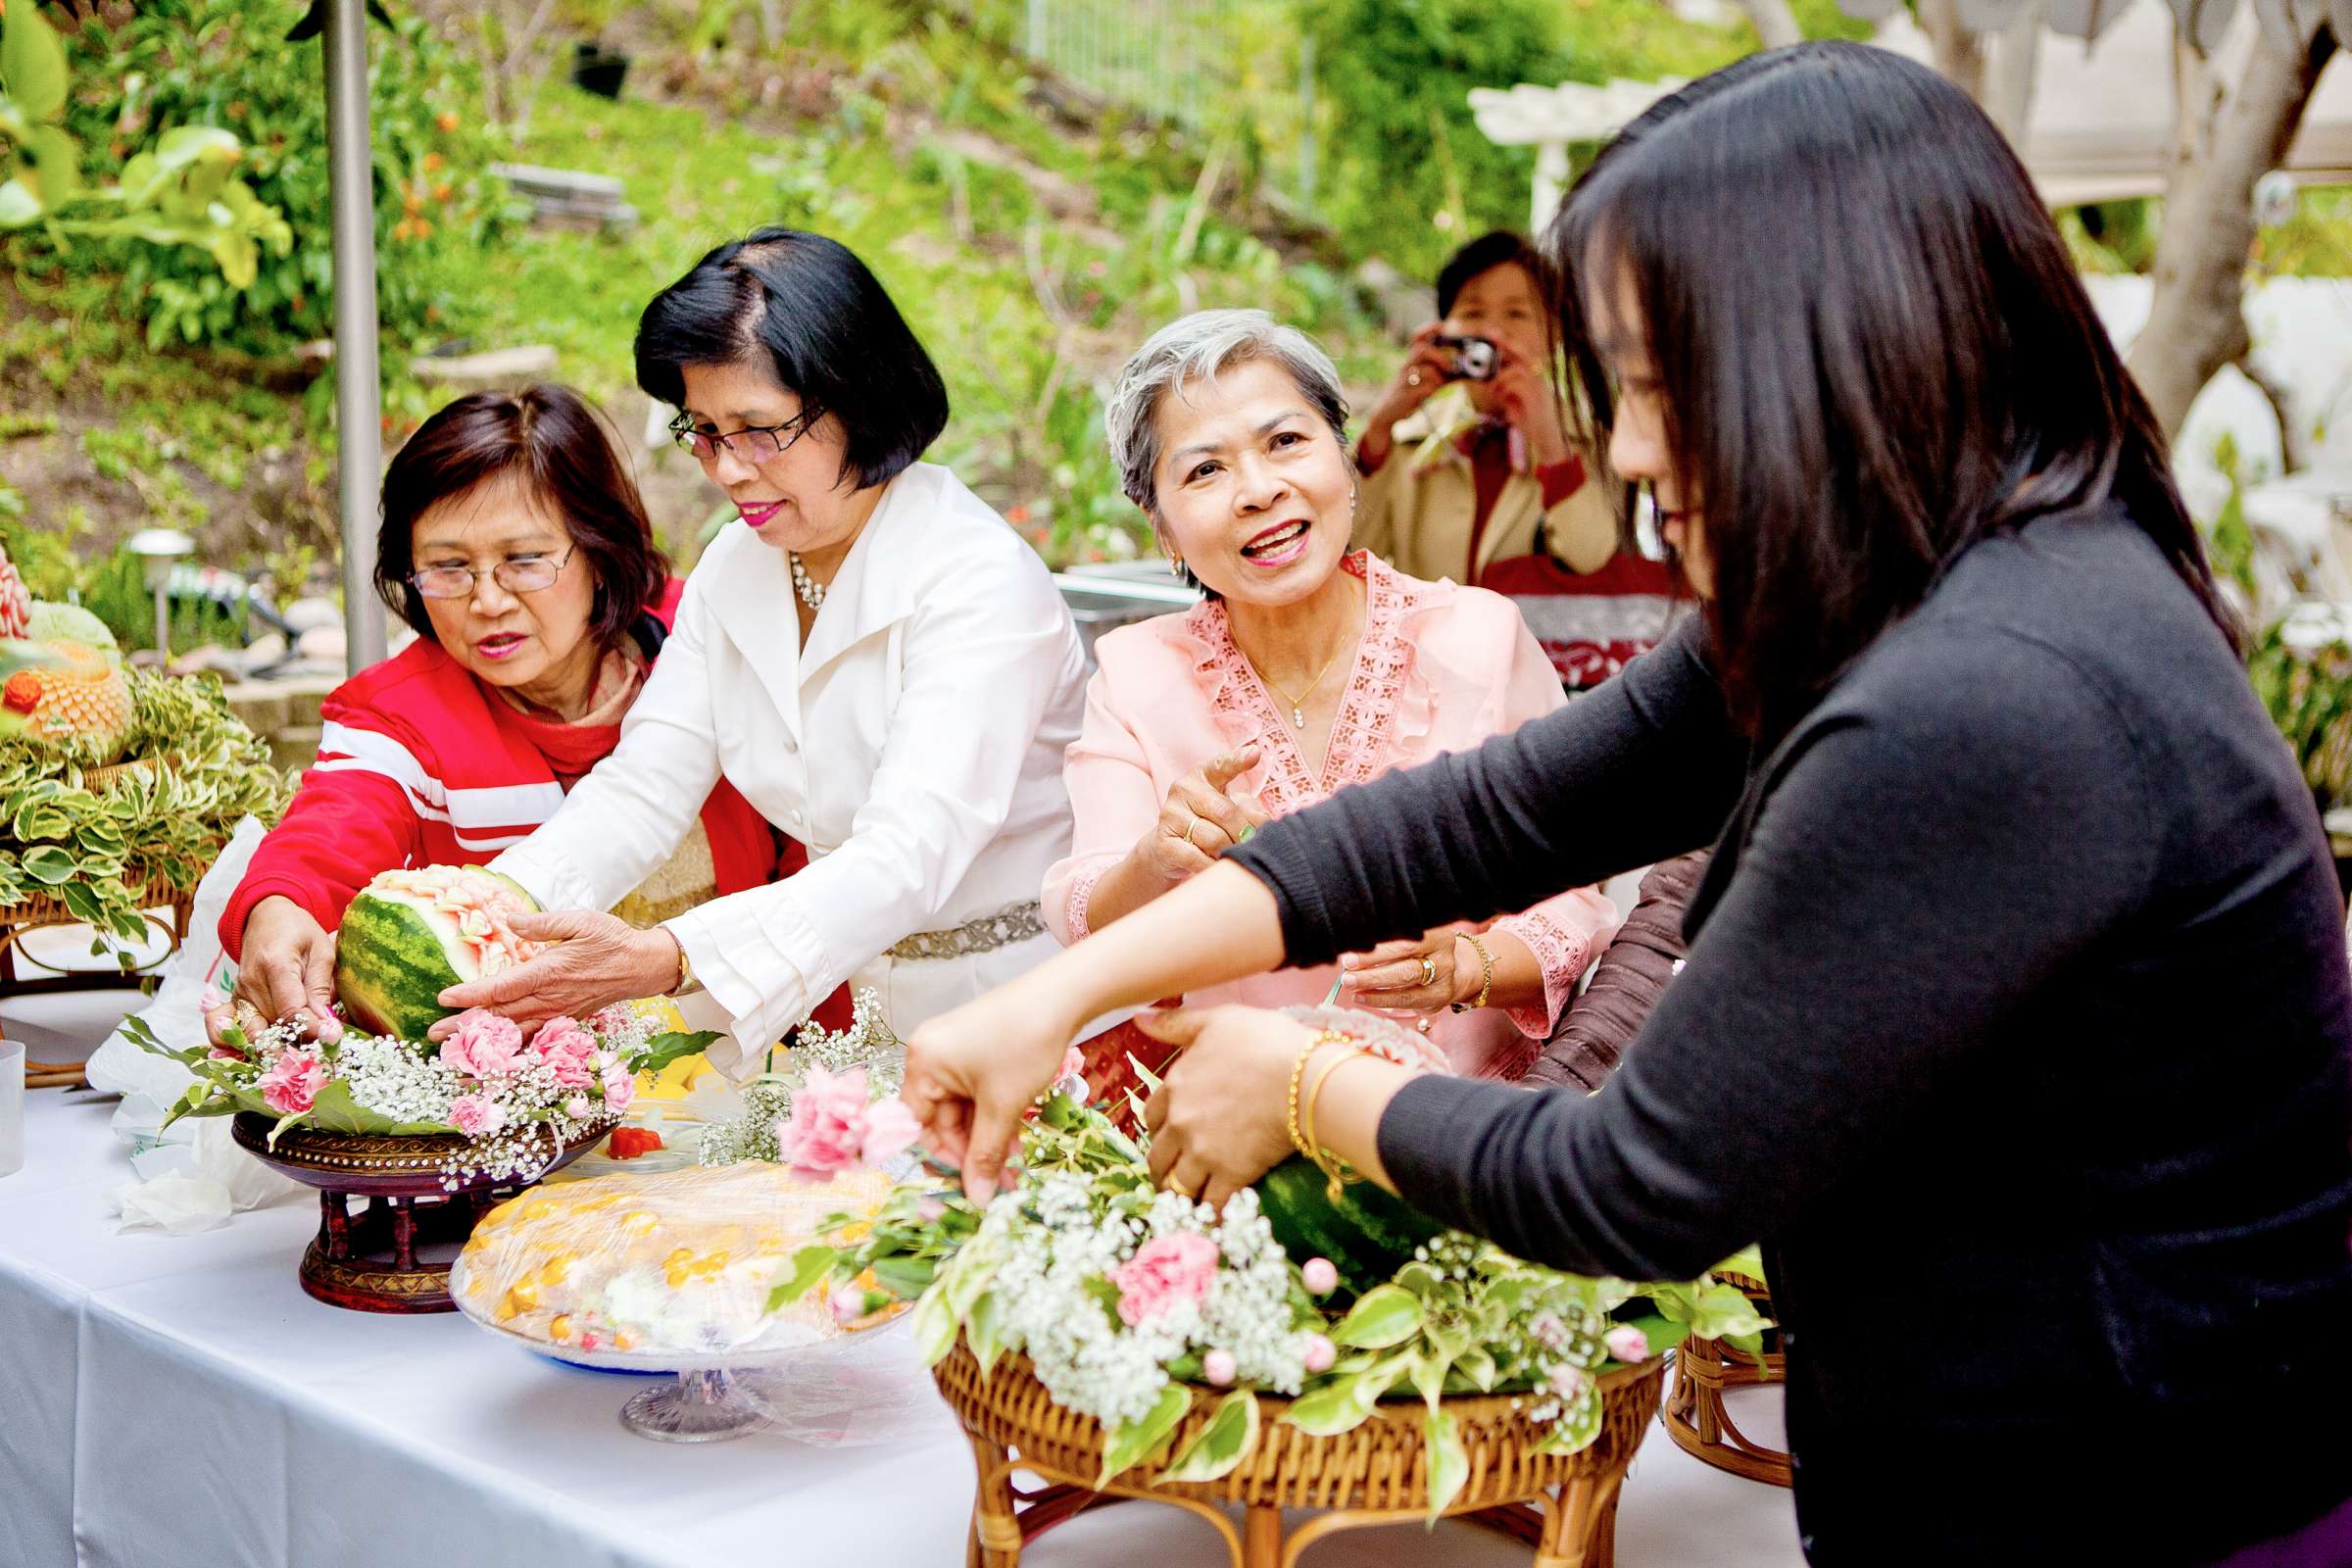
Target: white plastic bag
pixel 149 1083
pixel 195 1185
pixel 191 1175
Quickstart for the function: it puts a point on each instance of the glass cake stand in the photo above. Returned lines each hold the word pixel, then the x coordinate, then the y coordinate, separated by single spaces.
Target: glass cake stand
pixel 826 1389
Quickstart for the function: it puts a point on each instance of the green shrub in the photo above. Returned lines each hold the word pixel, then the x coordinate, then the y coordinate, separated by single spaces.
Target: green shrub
pixel 1408 173
pixel 2302 667
pixel 226 63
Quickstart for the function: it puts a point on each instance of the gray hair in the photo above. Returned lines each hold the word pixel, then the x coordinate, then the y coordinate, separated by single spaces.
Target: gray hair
pixel 1198 347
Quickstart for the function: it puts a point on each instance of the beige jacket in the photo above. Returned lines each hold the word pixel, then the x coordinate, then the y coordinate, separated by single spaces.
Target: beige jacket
pixel 1416 510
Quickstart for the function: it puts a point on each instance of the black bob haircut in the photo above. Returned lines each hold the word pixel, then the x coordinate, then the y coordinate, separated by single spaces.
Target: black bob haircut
pixel 805 310
pixel 1499 248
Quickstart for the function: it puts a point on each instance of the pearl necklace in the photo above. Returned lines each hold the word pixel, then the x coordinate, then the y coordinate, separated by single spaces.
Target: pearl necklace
pixel 812 591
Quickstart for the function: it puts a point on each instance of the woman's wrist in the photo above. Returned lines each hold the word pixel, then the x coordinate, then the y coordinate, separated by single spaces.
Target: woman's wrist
pixel 1351 1098
pixel 1473 973
pixel 664 966
pixel 1130 883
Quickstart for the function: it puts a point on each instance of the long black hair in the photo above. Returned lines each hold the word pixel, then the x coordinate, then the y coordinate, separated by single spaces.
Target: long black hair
pixel 1873 348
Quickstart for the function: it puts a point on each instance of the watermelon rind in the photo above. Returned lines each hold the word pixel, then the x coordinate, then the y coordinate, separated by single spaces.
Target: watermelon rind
pixel 1369 1235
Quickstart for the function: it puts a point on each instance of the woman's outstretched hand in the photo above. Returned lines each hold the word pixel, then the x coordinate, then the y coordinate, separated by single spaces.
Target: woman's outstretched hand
pixel 971 1073
pixel 288 973
pixel 1221 1118
pixel 597 959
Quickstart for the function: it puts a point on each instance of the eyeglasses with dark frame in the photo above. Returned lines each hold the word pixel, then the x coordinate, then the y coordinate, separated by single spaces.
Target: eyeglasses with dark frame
pixel 530 575
pixel 753 442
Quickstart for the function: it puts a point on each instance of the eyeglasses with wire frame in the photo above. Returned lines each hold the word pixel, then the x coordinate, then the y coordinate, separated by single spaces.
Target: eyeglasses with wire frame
pixel 527 575
pixel 753 442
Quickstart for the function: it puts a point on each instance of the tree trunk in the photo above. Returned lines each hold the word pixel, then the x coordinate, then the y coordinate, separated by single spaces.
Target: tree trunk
pixel 1959 53
pixel 1776 23
pixel 2009 79
pixel 2197 321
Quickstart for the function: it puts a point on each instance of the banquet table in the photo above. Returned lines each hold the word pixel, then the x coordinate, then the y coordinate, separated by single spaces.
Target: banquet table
pixel 179 1401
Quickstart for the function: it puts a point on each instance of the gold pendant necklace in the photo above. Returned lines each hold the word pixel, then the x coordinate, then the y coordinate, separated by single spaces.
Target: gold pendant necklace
pixel 1297 702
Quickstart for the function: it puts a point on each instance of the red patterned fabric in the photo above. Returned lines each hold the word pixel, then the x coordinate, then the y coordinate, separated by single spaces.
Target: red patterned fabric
pixel 1589 623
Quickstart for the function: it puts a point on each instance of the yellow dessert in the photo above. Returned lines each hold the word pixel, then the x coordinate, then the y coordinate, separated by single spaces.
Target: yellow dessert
pixel 646 1263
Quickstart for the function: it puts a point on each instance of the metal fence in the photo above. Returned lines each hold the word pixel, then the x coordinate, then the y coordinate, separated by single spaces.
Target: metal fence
pixel 1207 65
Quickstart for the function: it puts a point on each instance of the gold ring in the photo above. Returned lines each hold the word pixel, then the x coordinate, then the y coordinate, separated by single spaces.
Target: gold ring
pixel 1429 970
pixel 1193 821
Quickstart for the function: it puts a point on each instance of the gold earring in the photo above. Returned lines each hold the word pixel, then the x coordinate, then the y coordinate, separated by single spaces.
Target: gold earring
pixel 1176 566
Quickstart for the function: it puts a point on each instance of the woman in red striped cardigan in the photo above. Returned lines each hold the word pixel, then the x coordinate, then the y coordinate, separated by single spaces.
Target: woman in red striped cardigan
pixel 514 542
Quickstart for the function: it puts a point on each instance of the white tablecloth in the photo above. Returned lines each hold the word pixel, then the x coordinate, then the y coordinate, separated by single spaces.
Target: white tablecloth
pixel 179 1401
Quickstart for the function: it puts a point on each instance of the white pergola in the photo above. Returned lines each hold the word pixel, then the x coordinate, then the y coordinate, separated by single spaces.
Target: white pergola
pixel 2102 116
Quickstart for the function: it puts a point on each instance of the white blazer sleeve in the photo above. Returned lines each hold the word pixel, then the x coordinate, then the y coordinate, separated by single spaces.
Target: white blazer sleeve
pixel 633 810
pixel 986 651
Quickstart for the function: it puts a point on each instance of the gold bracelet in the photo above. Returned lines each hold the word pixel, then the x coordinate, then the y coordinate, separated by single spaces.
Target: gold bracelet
pixel 1486 979
pixel 687 984
pixel 1335 1170
pixel 1326 1037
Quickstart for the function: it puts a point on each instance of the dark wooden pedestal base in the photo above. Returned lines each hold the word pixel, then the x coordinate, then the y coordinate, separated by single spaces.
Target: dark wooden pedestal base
pixel 391 1256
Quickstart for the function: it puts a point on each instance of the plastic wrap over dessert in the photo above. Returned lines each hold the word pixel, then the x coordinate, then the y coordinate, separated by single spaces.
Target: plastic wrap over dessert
pixel 647 1264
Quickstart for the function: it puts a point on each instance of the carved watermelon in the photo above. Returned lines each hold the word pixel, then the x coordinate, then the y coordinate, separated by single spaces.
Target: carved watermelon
pixel 410 935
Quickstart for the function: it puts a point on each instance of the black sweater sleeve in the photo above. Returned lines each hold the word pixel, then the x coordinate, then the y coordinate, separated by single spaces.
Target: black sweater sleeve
pixel 1646 768
pixel 1918 872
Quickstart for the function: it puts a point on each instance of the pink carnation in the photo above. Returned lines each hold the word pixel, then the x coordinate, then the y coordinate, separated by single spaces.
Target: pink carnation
pixel 1321 1354
pixel 484 1046
pixel 833 1126
pixel 292 1082
pixel 1627 1344
pixel 1166 1271
pixel 475 1115
pixel 564 1050
pixel 620 1087
pixel 890 1131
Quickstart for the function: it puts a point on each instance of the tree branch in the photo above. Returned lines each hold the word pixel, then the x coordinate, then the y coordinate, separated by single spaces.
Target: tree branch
pixel 1776 22
pixel 2196 320
pixel 1959 53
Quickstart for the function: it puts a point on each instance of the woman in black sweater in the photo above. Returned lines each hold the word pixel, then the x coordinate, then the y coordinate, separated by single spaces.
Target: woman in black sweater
pixel 2015 1022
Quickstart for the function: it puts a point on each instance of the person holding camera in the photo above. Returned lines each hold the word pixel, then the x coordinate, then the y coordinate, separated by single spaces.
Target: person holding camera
pixel 1466 460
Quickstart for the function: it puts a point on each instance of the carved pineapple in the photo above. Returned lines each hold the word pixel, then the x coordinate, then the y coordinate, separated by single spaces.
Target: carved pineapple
pixel 63 689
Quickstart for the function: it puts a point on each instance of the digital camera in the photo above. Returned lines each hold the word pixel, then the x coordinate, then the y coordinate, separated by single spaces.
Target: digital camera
pixel 1474 358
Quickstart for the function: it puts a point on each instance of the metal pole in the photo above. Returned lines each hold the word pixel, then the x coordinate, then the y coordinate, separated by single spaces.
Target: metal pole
pixel 359 398
pixel 1307 131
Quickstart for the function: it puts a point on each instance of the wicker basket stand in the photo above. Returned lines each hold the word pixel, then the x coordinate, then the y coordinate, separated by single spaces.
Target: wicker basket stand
pixel 167 911
pixel 1565 1505
pixel 1694 1415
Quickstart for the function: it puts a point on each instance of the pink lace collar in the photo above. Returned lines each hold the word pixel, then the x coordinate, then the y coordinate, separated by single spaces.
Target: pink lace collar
pixel 1381 710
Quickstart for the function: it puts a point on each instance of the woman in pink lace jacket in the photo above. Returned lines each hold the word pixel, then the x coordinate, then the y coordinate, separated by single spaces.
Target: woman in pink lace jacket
pixel 1307 668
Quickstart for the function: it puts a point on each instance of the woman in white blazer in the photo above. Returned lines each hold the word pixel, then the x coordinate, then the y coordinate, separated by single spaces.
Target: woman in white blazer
pixel 873 656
